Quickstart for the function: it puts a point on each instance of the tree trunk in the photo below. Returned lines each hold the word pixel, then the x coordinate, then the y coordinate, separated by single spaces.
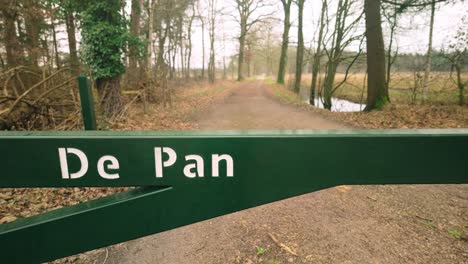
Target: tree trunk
pixel 212 21
pixel 317 56
pixel 110 101
pixel 285 42
pixel 460 84
pixel 2 62
pixel 203 49
pixel 70 25
pixel 152 5
pixel 14 51
pixel 389 52
pixel 240 76
pixel 224 68
pixel 377 95
pixel 427 67
pixel 189 46
pixel 248 62
pixel 300 47
pixel 56 52
pixel 135 31
pixel 45 47
pixel 334 54
pixel 32 18
pixel 328 85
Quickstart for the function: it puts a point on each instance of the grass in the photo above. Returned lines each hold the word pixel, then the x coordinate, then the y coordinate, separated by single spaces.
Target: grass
pixel 442 88
pixel 261 250
pixel 284 95
pixel 429 224
pixel 398 114
pixel 455 233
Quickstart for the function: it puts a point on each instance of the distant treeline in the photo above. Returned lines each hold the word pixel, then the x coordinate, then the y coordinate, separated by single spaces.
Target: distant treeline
pixel 259 63
pixel 407 62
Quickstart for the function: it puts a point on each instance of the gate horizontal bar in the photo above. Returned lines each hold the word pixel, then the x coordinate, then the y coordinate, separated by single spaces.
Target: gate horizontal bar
pixel 266 166
pixel 32 159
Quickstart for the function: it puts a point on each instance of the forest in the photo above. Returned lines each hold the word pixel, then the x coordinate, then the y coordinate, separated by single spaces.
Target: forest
pixel 140 51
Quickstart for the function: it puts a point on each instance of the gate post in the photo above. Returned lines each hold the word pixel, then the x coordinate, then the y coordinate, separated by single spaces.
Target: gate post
pixel 87 103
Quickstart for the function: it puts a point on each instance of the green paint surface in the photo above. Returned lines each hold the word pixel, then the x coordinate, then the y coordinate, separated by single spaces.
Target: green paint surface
pixel 268 166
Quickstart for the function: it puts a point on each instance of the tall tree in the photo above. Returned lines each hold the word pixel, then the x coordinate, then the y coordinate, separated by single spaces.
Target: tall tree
pixel 318 54
pixel 377 93
pixel 212 26
pixel 285 41
pixel 69 13
pixel 189 39
pixel 33 19
pixel 391 15
pixel 149 52
pixel 300 46
pixel 54 39
pixel 457 56
pixel 103 42
pixel 427 66
pixel 247 18
pixel 202 21
pixel 135 31
pixel 13 47
pixel 338 44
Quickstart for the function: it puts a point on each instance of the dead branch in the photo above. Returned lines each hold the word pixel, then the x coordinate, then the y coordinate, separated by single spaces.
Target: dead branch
pixel 281 245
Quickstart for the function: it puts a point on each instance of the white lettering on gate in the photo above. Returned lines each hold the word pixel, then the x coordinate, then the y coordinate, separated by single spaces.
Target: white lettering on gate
pixel 199 165
pixel 196 167
pixel 216 158
pixel 63 153
pixel 158 162
pixel 64 163
pixel 114 165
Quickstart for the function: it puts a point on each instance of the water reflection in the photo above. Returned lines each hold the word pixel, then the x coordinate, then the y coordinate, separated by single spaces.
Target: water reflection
pixel 340 105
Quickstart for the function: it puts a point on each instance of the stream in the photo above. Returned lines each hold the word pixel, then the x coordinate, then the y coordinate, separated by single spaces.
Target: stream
pixel 340 105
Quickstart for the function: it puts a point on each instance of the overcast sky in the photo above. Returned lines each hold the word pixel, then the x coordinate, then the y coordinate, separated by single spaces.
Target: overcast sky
pixel 411 37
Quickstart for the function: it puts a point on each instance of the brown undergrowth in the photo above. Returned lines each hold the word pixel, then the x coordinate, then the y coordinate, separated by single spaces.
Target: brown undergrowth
pixel 395 115
pixel 187 101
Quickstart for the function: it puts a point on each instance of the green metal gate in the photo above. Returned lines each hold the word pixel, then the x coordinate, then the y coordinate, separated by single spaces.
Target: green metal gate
pixel 186 177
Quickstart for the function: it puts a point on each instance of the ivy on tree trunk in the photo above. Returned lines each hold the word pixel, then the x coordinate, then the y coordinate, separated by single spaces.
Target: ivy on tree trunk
pixel 103 41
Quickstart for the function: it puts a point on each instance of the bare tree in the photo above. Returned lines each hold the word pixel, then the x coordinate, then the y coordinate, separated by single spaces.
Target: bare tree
pixel 427 66
pixel 457 56
pixel 391 15
pixel 189 39
pixel 149 53
pixel 248 16
pixel 202 21
pixel 300 46
pixel 340 39
pixel 135 31
pixel 318 54
pixel 285 41
pixel 212 26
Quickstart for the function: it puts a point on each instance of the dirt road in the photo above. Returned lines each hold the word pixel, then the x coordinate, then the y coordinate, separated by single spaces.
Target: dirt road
pixel 361 224
pixel 249 107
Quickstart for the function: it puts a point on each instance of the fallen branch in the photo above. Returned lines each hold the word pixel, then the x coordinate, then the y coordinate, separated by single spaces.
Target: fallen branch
pixel 32 88
pixel 281 245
